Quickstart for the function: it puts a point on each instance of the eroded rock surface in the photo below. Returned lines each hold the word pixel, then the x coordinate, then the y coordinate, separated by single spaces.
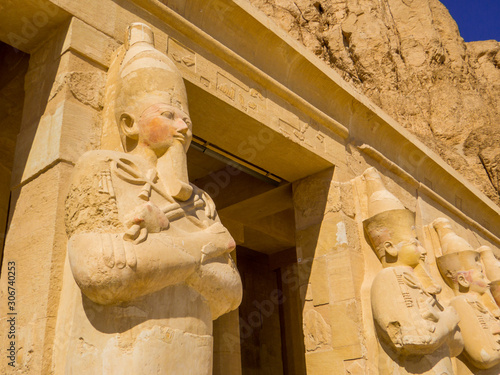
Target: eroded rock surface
pixel 408 57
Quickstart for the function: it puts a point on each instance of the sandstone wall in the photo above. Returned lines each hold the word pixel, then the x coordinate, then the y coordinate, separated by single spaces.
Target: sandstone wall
pixel 408 57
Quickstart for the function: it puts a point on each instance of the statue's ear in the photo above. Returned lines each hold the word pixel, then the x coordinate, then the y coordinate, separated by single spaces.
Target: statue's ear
pixel 462 281
pixel 390 249
pixel 128 125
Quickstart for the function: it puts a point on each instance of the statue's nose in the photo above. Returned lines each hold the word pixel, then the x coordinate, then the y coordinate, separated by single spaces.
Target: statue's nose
pixel 182 127
pixel 422 250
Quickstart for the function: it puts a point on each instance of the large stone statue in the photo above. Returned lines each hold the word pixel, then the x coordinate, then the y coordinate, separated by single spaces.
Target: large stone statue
pixel 492 270
pixel 461 267
pixel 417 335
pixel 146 247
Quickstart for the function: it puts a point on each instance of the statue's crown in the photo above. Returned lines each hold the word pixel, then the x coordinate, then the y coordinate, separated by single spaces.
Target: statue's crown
pixel 388 220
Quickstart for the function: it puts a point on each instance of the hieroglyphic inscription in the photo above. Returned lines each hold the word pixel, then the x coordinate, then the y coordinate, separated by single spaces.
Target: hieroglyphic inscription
pixel 205 81
pixel 404 291
pixel 105 184
pixel 244 96
pixel 294 126
pixel 181 54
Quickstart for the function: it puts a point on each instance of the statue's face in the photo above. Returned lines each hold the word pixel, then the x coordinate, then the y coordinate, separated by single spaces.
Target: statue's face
pixel 160 125
pixel 410 252
pixel 477 279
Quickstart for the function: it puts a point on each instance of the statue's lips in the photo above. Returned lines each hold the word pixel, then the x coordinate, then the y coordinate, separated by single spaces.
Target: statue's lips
pixel 180 138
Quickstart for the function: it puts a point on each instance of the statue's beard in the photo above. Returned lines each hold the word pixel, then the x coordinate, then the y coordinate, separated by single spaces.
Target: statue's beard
pixel 172 170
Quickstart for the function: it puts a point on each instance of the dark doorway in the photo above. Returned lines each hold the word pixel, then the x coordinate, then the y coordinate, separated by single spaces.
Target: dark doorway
pixel 258 211
pixel 13 67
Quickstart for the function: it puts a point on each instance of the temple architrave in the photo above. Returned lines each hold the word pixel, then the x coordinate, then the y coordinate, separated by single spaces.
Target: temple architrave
pixel 185 189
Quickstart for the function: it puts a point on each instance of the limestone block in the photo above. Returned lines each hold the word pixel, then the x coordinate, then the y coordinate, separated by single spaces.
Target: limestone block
pixel 355 367
pixel 227 344
pixel 27 25
pixel 341 275
pixel 293 319
pixel 347 328
pixel 89 42
pixel 65 133
pixel 317 332
pixel 320 284
pixel 319 239
pixel 60 114
pixel 323 363
pixel 41 247
pixel 318 186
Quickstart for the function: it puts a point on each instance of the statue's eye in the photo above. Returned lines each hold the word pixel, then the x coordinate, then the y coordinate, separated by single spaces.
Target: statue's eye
pixel 187 121
pixel 168 114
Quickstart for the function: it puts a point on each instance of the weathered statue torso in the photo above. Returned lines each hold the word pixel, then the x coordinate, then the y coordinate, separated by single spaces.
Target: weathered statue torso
pixel 155 296
pixel 146 248
pixel 416 334
pixel 461 267
pixel 414 330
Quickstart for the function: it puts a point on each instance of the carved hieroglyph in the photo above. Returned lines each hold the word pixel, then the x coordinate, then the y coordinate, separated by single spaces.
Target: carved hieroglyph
pixel 461 267
pixel 146 247
pixel 416 334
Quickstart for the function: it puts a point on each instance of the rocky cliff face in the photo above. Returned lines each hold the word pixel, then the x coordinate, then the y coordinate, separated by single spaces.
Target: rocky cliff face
pixel 408 57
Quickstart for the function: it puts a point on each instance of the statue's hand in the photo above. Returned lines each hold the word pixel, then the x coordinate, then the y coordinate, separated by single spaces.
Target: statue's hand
pixel 416 340
pixel 221 242
pixel 116 252
pixel 145 218
pixel 428 309
pixel 450 318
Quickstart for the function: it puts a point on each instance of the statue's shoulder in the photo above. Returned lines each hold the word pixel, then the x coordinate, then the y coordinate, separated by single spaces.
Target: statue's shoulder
pixel 91 201
pixel 384 286
pixel 464 303
pixel 396 279
pixel 97 161
pixel 99 157
pixel 462 299
pixel 384 276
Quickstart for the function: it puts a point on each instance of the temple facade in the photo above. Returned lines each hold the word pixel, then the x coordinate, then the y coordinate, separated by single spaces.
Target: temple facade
pixel 185 189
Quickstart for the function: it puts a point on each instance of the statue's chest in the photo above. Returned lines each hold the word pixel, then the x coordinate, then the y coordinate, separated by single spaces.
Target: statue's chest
pixel 486 323
pixel 133 184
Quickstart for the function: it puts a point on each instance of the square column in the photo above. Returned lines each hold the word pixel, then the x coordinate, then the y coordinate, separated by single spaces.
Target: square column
pixel 64 87
pixel 330 266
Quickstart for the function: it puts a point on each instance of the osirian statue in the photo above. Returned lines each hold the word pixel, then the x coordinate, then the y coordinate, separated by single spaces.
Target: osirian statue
pixel 146 247
pixel 461 267
pixel 492 270
pixel 416 334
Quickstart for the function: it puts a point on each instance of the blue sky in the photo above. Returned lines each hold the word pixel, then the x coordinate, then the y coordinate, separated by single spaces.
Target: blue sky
pixel 476 19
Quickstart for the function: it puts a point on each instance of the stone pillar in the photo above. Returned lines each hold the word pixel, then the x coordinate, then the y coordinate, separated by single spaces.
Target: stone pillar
pixel 61 120
pixel 227 357
pixel 330 265
pixel 227 353
pixel 291 320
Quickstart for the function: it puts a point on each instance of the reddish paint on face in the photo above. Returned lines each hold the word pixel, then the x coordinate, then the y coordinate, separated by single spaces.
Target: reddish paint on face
pixel 162 124
pixel 477 280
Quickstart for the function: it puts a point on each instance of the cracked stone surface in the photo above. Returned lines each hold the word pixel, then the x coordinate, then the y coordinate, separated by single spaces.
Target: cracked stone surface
pixel 408 57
